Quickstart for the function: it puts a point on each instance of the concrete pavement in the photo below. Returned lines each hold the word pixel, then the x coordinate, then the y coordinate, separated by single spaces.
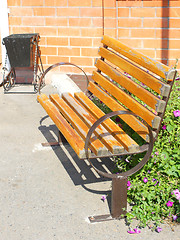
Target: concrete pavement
pixel 47 193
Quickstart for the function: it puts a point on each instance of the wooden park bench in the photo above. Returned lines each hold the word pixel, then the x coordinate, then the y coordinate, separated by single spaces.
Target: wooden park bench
pixel 134 87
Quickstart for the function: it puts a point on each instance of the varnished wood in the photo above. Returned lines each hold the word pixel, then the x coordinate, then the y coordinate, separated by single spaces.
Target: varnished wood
pixel 96 146
pixel 69 133
pixel 143 60
pixel 130 85
pixel 129 144
pixel 105 137
pixel 127 100
pixel 133 122
pixel 143 76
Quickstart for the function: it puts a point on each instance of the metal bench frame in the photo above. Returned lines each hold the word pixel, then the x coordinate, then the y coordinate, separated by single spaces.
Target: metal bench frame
pixel 119 181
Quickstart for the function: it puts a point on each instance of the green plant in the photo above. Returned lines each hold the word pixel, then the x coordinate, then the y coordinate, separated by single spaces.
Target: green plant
pixel 151 191
pixel 150 198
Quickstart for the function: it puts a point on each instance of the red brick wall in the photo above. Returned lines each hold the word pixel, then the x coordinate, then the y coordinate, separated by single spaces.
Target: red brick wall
pixel 71 30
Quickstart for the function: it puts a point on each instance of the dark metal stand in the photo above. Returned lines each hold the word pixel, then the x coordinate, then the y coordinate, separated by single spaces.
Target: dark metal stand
pixel 118 202
pixel 61 141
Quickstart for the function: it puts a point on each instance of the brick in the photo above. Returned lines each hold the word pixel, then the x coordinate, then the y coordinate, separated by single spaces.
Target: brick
pixel 156 3
pixel 174 44
pixel 110 23
pixel 97 22
pixel 96 3
pixel 174 54
pixel 81 42
pixel 46 31
pixel 17 11
pixel 108 3
pixel 13 2
pixel 91 12
pixel 111 32
pixel 89 52
pixel 148 52
pixel 89 70
pixel 174 33
pixel 80 22
pixel 162 33
pixel 123 12
pixel 43 40
pixel 32 3
pixel 44 11
pixel 123 33
pixel 163 53
pixel 143 33
pixel 143 12
pixel 79 3
pixel 56 3
pixel 33 21
pixel 57 41
pixel 134 43
pixel 68 51
pixel 110 12
pixel 174 23
pixel 173 63
pixel 20 29
pixel 68 12
pixel 96 42
pixel 130 3
pixel 56 59
pixel 15 21
pixel 175 3
pixel 91 32
pixel 48 50
pixel 155 43
pixel 81 61
pixel 155 23
pixel 168 12
pixel 56 21
pixel 130 22
pixel 68 31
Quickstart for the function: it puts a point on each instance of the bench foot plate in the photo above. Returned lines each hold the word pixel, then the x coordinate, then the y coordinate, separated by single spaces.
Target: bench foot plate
pixel 102 218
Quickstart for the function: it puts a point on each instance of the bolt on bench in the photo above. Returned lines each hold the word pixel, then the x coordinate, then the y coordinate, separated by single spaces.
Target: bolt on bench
pixel 136 88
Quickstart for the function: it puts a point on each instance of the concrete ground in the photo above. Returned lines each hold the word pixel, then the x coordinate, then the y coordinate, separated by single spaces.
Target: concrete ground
pixel 47 193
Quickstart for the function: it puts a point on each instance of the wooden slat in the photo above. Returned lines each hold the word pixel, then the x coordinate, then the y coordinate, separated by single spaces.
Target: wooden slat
pixel 143 76
pixel 108 140
pixel 129 144
pixel 127 100
pixel 96 146
pixel 69 133
pixel 143 94
pixel 145 61
pixel 132 121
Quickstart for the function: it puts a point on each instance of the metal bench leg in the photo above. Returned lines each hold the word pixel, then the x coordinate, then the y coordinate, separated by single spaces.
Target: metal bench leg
pixel 118 202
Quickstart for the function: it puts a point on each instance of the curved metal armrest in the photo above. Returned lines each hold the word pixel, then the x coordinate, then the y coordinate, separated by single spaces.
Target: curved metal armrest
pixel 134 169
pixel 56 65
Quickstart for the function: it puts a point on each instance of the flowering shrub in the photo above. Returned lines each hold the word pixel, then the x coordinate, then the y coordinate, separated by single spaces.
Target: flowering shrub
pixel 154 192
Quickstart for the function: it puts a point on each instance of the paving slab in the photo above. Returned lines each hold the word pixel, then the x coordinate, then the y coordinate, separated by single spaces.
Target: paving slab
pixel 47 193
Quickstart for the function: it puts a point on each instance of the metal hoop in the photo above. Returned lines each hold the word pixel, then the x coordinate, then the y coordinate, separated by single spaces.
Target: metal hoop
pixel 134 169
pixel 60 64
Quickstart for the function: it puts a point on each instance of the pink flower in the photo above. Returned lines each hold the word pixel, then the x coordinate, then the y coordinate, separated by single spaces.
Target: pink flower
pixel 176 113
pixel 169 203
pixel 128 184
pixel 135 231
pixel 158 229
pixel 174 217
pixel 164 127
pixel 156 153
pixel 145 180
pixel 103 198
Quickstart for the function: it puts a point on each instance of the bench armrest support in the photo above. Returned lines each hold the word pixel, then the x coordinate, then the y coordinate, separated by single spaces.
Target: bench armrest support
pixel 56 65
pixel 134 169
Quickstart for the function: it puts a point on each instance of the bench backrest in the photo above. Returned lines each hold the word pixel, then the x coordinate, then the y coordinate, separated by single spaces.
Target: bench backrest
pixel 127 79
